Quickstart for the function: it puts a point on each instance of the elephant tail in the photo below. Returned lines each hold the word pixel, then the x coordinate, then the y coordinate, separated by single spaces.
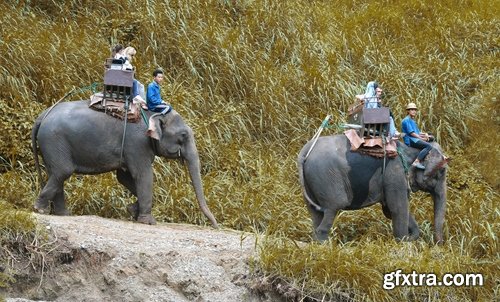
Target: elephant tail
pixel 34 149
pixel 300 165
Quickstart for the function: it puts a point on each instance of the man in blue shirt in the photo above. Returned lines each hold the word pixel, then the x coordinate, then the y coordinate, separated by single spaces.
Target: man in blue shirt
pixel 153 96
pixel 413 137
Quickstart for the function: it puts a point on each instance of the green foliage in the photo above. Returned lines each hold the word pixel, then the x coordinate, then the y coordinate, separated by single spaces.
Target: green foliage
pixel 254 79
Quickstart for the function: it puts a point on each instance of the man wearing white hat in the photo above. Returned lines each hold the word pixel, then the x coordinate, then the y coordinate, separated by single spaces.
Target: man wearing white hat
pixel 414 138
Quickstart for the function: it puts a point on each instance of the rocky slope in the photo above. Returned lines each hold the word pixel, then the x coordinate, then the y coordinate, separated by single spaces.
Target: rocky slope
pixel 99 259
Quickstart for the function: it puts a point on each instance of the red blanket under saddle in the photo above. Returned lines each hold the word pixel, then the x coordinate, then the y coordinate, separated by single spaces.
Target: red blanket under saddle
pixel 115 108
pixel 371 146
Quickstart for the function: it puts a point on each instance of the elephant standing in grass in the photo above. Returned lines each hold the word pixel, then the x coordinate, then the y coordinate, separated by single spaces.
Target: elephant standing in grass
pixel 333 178
pixel 73 138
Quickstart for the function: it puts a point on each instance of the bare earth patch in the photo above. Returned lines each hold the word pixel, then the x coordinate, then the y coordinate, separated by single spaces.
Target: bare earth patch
pixel 98 259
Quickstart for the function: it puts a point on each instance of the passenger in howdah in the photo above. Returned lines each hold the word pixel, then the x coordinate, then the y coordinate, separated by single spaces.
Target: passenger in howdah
pixel 373 99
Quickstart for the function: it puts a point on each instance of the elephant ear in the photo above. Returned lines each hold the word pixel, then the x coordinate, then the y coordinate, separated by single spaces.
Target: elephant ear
pixel 437 161
pixel 154 127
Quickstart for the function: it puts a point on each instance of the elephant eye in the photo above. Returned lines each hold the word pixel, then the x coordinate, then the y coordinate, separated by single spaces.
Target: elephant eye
pixel 183 136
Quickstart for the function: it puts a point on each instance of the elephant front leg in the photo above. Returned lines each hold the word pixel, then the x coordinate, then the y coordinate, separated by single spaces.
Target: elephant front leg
pixel 400 220
pixel 413 229
pixel 144 187
pixel 396 207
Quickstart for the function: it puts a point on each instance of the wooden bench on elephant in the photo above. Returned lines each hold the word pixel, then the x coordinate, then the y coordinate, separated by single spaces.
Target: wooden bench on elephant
pixel 373 122
pixel 369 129
pixel 116 97
pixel 118 82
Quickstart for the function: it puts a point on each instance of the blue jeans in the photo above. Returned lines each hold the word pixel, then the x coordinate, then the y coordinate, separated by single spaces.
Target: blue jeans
pixel 162 108
pixel 424 146
pixel 135 88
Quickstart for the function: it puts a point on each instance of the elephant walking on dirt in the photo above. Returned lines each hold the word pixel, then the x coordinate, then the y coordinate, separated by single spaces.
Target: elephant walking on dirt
pixel 73 138
pixel 333 178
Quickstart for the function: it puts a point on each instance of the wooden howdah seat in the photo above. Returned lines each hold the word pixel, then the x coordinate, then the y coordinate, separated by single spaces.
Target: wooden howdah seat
pixel 116 96
pixel 372 122
pixel 368 130
pixel 118 81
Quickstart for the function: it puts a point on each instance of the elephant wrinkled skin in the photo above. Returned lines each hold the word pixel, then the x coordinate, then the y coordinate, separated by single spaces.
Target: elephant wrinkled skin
pixel 333 178
pixel 73 138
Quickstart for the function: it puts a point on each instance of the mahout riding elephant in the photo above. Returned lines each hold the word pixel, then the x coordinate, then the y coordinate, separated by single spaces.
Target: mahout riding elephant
pixel 333 178
pixel 73 138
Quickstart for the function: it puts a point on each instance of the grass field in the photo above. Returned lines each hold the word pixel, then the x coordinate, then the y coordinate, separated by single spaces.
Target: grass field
pixel 254 79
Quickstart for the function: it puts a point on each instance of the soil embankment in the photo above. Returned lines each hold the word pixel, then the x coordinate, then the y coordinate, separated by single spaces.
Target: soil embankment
pixel 101 259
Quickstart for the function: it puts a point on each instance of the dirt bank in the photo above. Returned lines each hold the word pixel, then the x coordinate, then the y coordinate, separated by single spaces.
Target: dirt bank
pixel 99 259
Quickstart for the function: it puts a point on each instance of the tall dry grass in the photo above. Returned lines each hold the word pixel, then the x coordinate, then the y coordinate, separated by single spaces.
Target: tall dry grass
pixel 254 79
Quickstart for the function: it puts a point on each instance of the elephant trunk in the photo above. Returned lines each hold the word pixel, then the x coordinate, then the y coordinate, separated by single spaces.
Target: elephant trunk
pixel 193 162
pixel 439 199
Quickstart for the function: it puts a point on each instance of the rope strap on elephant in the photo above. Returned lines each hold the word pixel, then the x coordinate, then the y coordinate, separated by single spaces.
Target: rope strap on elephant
pixel 144 117
pixel 403 159
pixel 324 125
pixel 92 87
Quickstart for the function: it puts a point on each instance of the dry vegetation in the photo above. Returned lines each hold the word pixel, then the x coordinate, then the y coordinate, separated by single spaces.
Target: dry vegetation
pixel 255 79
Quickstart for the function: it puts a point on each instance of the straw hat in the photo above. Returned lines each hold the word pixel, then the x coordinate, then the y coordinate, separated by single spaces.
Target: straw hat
pixel 411 106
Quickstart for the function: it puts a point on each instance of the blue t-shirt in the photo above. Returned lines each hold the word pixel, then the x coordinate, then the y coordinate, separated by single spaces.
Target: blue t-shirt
pixel 408 126
pixel 153 97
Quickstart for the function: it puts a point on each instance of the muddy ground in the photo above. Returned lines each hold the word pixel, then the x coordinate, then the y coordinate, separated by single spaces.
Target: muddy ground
pixel 98 259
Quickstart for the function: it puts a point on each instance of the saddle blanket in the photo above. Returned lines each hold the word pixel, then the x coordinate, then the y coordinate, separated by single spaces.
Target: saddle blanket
pixel 371 146
pixel 115 108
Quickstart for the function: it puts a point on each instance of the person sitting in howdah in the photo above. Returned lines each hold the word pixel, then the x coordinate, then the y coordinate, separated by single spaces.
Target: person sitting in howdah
pixel 372 98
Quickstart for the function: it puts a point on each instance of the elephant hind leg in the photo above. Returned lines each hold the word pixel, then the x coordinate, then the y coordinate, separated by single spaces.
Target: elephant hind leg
pixel 52 191
pixel 326 224
pixel 59 204
pixel 316 215
pixel 125 178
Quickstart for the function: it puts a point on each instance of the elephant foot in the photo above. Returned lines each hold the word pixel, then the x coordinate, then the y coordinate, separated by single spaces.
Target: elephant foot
pixel 438 240
pixel 413 237
pixel 42 207
pixel 321 236
pixel 146 219
pixel 61 212
pixel 133 210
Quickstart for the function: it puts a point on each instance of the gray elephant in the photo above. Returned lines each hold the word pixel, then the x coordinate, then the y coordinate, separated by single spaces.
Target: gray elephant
pixel 333 178
pixel 73 138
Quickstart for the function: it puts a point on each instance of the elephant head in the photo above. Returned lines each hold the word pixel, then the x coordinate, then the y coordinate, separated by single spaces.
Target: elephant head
pixel 172 138
pixel 431 180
